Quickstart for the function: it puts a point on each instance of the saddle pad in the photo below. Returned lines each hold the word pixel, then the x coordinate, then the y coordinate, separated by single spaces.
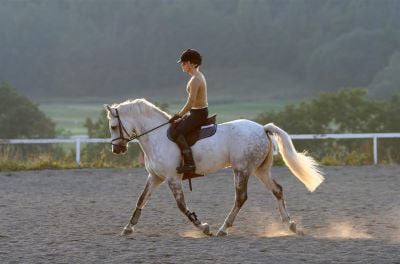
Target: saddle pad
pixel 196 135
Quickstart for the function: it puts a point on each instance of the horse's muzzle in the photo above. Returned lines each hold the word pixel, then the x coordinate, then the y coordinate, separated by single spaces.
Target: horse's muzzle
pixel 119 149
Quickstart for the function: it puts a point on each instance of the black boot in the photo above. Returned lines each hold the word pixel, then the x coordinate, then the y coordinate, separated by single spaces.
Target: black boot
pixel 188 162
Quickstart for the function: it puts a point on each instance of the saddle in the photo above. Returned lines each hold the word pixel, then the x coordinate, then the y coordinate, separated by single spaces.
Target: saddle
pixel 205 130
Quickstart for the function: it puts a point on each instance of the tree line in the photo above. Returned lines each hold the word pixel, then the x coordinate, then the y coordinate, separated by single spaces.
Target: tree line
pixel 128 48
pixel 345 111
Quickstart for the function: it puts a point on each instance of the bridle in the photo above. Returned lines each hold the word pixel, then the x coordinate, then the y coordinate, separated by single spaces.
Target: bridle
pixel 122 129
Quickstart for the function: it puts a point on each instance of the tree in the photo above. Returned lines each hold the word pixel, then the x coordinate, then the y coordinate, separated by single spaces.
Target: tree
pixel 20 118
pixel 347 111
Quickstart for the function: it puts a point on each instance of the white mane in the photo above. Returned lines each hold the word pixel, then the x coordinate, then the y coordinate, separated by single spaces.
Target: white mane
pixel 142 107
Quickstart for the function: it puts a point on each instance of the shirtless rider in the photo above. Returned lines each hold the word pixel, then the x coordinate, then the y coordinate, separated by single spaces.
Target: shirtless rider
pixel 196 106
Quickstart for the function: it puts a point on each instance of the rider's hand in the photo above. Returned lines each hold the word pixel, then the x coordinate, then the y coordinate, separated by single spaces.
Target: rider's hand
pixel 175 117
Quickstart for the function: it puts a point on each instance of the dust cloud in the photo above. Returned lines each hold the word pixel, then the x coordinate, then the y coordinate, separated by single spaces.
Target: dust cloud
pixel 343 230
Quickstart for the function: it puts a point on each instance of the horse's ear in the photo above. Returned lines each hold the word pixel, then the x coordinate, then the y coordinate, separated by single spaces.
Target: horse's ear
pixel 109 109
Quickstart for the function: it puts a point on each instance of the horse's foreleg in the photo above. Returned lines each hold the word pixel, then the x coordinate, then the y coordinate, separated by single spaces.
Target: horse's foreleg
pixel 152 183
pixel 241 180
pixel 176 187
pixel 277 190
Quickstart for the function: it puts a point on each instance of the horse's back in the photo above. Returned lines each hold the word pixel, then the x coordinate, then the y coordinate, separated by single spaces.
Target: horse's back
pixel 241 127
pixel 238 143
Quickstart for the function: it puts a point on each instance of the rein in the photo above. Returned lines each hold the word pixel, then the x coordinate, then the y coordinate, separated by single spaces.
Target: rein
pixel 123 129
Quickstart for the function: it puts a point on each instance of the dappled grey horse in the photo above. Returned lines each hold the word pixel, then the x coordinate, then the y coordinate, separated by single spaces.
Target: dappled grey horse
pixel 243 145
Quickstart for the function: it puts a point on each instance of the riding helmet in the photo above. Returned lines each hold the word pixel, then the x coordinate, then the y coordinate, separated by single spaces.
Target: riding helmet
pixel 191 55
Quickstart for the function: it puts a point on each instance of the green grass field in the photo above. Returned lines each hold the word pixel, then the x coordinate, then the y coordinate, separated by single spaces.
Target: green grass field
pixel 70 117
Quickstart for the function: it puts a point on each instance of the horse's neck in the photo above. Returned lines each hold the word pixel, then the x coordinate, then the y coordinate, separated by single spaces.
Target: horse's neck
pixel 149 141
pixel 152 141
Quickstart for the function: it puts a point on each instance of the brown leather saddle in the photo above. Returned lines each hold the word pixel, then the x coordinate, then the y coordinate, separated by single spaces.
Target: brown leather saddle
pixel 205 130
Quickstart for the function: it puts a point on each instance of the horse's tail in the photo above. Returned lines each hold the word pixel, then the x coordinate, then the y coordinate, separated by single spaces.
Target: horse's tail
pixel 305 168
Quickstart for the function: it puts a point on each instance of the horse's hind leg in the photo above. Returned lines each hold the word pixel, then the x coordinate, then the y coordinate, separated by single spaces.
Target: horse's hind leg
pixel 152 183
pixel 241 180
pixel 264 174
pixel 176 187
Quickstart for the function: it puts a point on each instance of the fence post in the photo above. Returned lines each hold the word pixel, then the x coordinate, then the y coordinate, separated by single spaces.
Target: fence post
pixel 375 150
pixel 78 151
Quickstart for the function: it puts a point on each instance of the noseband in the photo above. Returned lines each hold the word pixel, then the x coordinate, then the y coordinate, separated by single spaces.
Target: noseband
pixel 122 129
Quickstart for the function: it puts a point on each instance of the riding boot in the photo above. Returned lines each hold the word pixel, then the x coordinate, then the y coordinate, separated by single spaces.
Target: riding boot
pixel 188 162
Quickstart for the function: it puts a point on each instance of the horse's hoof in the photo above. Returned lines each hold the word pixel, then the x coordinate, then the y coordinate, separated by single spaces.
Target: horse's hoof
pixel 221 233
pixel 206 229
pixel 292 227
pixel 127 231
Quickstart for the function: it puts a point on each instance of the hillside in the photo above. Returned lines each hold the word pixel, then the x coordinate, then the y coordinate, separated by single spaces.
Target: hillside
pixel 251 49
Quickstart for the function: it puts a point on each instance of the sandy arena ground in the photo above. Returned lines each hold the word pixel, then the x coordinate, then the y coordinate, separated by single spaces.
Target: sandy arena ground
pixel 76 216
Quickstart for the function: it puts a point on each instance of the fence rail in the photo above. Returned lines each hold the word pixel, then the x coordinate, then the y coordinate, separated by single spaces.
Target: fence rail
pixel 79 140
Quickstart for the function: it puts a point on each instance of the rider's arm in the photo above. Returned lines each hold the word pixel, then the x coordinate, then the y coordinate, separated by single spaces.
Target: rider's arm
pixel 193 89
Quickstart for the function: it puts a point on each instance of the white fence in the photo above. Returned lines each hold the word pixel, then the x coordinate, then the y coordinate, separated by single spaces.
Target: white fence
pixel 78 141
pixel 373 136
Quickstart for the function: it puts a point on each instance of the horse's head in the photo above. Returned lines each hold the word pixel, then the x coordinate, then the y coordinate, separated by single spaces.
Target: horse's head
pixel 131 117
pixel 119 128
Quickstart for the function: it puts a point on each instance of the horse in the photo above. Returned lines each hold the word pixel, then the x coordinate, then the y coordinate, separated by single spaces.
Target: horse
pixel 243 145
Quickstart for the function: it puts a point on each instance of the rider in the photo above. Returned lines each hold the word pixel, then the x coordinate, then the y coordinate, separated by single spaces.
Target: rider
pixel 196 105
